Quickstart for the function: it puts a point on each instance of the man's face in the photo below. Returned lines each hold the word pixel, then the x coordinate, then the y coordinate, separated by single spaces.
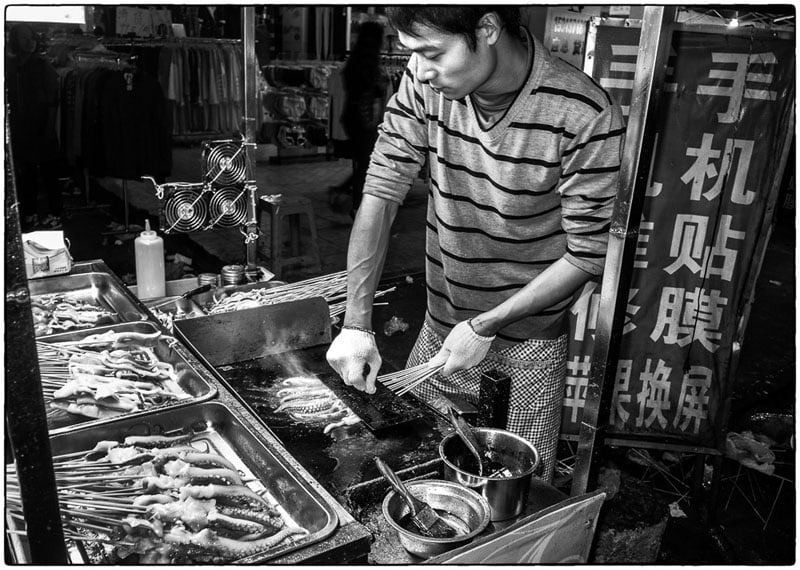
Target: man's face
pixel 446 62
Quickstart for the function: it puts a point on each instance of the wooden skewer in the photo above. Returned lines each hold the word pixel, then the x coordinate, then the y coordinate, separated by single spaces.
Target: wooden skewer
pixel 403 381
pixel 79 537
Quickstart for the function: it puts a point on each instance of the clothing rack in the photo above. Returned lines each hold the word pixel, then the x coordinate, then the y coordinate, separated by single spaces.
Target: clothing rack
pixel 395 58
pixel 160 42
pixel 120 61
pixel 128 64
pixel 200 78
pixel 105 58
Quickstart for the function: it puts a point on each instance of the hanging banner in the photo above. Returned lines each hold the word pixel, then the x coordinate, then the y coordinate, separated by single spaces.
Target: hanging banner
pixel 722 116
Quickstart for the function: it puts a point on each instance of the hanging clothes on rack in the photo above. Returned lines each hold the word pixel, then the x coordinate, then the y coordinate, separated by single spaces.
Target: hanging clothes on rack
pixel 135 127
pixel 113 119
pixel 201 79
pixel 296 106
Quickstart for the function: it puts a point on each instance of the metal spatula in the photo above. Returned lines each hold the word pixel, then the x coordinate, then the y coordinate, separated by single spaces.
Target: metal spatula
pixel 427 521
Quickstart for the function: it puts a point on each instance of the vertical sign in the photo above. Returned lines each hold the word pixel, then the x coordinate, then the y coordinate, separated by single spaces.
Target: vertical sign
pixel 714 165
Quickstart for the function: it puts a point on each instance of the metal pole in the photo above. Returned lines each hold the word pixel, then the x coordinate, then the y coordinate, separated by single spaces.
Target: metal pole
pixel 26 421
pixel 250 97
pixel 654 46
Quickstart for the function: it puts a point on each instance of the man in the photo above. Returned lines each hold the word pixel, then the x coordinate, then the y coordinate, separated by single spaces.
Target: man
pixel 524 154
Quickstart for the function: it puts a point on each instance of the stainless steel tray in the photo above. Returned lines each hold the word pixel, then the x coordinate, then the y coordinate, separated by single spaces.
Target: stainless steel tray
pixel 214 424
pixel 167 311
pixel 193 377
pixel 100 289
pixel 200 304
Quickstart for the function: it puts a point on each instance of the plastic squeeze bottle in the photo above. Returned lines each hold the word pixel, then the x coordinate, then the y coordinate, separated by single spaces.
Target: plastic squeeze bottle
pixel 149 251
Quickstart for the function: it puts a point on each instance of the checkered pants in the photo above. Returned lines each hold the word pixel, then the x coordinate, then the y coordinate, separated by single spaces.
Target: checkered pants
pixel 537 369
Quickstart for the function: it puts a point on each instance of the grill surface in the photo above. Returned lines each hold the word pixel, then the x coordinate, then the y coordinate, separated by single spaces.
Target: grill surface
pixel 344 457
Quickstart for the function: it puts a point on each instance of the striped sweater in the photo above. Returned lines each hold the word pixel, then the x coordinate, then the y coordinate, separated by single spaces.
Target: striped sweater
pixel 506 202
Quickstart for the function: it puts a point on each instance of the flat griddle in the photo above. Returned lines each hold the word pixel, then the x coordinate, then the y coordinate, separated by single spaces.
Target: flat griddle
pixel 254 350
pixel 344 457
pixel 282 332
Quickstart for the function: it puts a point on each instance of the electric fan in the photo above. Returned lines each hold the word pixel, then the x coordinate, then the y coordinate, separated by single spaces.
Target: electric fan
pixel 224 163
pixel 228 207
pixel 184 210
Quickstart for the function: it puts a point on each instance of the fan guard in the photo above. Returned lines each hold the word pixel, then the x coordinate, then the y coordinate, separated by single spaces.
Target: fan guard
pixel 225 163
pixel 184 211
pixel 228 207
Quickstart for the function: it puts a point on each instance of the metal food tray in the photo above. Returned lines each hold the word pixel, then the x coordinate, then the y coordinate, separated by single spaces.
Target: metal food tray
pixel 167 311
pixel 204 301
pixel 214 424
pixel 100 289
pixel 193 377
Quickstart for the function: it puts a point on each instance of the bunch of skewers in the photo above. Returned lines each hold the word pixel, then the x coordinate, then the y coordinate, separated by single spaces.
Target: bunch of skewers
pixel 403 381
pixel 163 498
pixel 331 287
pixel 108 374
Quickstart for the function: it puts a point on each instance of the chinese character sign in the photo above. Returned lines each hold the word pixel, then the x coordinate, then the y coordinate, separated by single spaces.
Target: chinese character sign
pixel 714 165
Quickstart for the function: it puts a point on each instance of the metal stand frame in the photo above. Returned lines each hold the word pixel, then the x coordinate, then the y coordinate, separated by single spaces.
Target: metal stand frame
pixel 251 231
pixel 26 421
pixel 653 52
pixel 127 229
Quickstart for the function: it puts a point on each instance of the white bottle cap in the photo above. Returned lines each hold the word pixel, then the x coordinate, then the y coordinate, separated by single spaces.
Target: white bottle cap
pixel 148 233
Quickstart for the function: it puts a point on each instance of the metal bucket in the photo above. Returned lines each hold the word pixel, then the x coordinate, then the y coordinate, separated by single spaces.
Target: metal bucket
pixel 507 494
pixel 460 505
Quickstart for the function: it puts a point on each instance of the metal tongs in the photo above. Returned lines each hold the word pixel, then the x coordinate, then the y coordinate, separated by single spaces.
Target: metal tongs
pixel 187 295
pixel 465 432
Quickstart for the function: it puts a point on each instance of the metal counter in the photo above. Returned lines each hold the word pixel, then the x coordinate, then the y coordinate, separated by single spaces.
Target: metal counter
pixel 349 542
pixel 338 465
pixel 342 460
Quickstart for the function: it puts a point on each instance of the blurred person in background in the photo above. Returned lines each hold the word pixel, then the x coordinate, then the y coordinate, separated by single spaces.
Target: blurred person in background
pixel 365 84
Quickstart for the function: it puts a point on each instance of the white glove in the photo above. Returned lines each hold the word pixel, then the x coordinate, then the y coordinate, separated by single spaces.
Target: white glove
pixel 463 348
pixel 354 355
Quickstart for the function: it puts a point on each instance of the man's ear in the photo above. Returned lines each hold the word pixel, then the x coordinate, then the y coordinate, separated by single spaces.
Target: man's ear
pixel 489 28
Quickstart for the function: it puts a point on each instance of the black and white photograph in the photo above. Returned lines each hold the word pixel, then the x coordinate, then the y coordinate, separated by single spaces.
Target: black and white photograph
pixel 400 284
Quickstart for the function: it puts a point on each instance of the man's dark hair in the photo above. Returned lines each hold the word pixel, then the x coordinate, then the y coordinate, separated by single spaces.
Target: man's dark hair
pixel 461 20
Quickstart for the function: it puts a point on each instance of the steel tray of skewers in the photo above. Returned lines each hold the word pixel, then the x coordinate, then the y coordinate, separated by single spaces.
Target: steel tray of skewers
pixel 189 486
pixel 76 302
pixel 95 376
pixel 222 300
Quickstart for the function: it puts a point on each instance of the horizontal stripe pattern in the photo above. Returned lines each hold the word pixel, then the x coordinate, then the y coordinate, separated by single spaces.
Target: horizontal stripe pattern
pixel 508 201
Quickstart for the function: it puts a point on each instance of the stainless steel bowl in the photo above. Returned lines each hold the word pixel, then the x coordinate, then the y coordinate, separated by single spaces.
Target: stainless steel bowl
pixel 463 507
pixel 506 494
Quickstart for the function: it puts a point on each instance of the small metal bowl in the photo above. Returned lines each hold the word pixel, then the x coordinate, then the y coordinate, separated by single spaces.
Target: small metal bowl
pixel 460 505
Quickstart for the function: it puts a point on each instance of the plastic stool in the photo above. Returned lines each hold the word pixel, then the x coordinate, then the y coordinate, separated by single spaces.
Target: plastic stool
pixel 291 207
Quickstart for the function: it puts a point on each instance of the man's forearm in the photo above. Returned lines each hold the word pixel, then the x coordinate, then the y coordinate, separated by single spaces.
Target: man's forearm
pixel 369 241
pixel 554 284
